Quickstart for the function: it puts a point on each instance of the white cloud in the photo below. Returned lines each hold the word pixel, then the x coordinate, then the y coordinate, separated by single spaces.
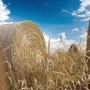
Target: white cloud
pixel 85 19
pixel 62 35
pixel 1 23
pixel 83 41
pixel 4 12
pixel 75 29
pixel 83 11
pixel 56 43
pixel 84 35
pixel 65 11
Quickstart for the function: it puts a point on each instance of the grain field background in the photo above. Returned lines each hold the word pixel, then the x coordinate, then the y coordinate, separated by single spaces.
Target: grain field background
pixel 25 64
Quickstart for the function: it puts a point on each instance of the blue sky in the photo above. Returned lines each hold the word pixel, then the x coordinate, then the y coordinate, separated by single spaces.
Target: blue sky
pixel 68 18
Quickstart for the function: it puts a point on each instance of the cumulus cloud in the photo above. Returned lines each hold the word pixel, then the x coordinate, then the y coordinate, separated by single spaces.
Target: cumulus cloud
pixel 83 11
pixel 84 35
pixel 75 29
pixel 83 41
pixel 62 35
pixel 4 12
pixel 55 43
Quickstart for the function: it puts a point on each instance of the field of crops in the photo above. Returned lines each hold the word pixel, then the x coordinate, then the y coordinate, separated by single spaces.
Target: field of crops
pixel 61 70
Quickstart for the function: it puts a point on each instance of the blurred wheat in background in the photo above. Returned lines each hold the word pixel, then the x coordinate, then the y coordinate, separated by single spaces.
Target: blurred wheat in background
pixel 25 64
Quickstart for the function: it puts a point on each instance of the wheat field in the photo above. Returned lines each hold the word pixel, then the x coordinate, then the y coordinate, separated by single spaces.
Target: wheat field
pixel 61 70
